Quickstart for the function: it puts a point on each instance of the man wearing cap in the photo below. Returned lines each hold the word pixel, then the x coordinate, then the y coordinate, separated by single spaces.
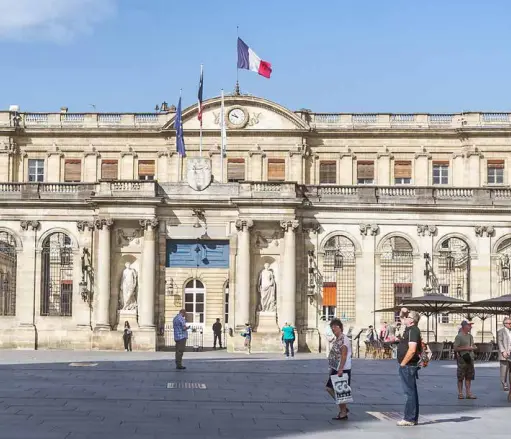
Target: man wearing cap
pixel 464 347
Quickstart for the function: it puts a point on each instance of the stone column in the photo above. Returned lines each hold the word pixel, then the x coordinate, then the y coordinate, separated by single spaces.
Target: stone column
pixel 422 171
pixel 163 166
pixel 345 174
pixel 296 165
pixel 383 172
pixel 90 168
pixel 480 276
pixel 473 169
pixel 255 166
pixel 102 314
pixel 242 295
pixel 458 170
pixel 128 165
pixel 25 276
pixel 148 275
pixel 288 307
pixel 367 295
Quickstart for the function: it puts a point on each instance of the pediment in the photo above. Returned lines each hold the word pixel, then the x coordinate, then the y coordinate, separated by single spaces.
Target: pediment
pixel 258 115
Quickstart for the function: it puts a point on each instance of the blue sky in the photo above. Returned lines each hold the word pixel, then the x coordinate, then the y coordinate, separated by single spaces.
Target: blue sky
pixel 328 56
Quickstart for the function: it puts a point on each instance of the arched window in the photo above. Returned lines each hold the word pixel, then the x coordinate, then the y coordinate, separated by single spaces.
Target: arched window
pixel 503 267
pixel 453 269
pixel 339 281
pixel 396 274
pixel 57 276
pixel 195 301
pixel 8 266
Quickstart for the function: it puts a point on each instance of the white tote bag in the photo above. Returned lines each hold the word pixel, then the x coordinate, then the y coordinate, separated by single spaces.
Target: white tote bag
pixel 342 390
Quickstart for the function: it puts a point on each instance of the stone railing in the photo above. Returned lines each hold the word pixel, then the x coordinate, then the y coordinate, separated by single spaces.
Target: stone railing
pixel 413 195
pixel 78 191
pixel 407 121
pixel 86 120
pixel 263 190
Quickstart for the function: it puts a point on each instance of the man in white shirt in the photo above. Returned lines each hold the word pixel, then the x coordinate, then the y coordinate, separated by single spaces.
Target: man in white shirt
pixel 504 343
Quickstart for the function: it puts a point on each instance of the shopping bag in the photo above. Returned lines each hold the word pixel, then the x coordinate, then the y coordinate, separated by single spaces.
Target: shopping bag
pixel 342 390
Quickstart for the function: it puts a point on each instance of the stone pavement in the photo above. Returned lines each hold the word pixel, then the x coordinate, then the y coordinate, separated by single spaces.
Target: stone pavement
pixel 125 395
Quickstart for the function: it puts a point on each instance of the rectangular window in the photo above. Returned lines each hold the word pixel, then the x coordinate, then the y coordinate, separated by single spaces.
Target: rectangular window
pixel 235 170
pixel 146 170
pixel 109 170
pixel 328 313
pixel 402 172
pixel 276 170
pixel 365 172
pixel 72 170
pixel 35 170
pixel 185 253
pixel 495 171
pixel 441 172
pixel 327 172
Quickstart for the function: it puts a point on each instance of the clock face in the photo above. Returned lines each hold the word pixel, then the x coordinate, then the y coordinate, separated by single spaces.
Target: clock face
pixel 237 117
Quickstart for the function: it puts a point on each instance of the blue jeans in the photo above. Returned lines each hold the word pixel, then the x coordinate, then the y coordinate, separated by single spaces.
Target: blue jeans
pixel 408 375
pixel 290 343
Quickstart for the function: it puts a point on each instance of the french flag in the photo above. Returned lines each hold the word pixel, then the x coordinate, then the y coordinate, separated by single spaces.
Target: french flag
pixel 247 59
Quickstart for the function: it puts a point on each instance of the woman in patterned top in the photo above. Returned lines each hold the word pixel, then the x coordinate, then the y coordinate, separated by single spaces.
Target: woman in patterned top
pixel 339 362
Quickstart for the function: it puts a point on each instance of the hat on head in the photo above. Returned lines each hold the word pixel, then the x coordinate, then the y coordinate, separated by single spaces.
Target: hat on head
pixel 466 323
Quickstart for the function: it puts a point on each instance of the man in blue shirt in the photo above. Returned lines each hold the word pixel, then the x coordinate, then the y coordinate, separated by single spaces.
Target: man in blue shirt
pixel 180 337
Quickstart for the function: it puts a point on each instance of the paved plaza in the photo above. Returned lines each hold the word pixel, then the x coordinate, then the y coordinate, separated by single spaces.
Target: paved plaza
pixel 79 395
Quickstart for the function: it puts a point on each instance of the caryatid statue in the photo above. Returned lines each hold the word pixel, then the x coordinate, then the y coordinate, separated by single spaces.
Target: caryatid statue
pixel 129 288
pixel 267 287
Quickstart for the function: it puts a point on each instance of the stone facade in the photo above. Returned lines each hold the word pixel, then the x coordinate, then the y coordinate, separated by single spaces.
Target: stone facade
pixel 342 208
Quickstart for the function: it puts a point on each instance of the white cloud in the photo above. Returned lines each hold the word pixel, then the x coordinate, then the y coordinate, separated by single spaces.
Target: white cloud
pixel 55 20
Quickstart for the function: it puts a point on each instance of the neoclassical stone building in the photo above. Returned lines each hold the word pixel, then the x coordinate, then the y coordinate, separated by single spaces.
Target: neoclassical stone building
pixel 98 211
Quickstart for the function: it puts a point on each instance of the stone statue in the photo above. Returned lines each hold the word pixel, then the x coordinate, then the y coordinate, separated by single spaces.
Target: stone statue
pixel 266 286
pixel 129 288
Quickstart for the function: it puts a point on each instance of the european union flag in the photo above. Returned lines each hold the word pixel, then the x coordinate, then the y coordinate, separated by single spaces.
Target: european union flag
pixel 178 124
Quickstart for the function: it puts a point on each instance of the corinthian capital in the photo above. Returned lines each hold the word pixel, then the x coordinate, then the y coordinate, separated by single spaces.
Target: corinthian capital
pixel 107 223
pixel 369 229
pixel 149 224
pixel 481 231
pixel 30 225
pixel 426 230
pixel 82 225
pixel 244 224
pixel 289 225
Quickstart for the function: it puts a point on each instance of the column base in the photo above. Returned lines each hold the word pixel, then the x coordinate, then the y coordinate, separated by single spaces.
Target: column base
pixel 267 323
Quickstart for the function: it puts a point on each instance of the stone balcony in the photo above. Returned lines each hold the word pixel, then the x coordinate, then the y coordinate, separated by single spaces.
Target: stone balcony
pixel 258 192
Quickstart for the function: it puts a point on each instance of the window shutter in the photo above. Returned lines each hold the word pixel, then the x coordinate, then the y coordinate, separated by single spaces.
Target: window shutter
pixel 276 169
pixel 402 169
pixel 146 168
pixel 496 164
pixel 329 293
pixel 328 172
pixel 109 170
pixel 441 162
pixel 72 170
pixel 365 170
pixel 235 169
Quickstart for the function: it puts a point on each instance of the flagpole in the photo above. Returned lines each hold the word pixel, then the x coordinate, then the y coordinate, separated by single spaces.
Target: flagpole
pixel 200 130
pixel 180 161
pixel 222 140
pixel 237 88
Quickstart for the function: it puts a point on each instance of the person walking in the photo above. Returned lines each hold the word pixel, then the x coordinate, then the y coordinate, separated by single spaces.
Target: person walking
pixel 339 362
pixel 504 343
pixel 180 337
pixel 126 336
pixel 330 338
pixel 464 347
pixel 288 335
pixel 248 337
pixel 217 333
pixel 408 357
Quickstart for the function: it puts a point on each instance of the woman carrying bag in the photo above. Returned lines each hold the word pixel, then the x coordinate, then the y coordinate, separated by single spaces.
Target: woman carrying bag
pixel 339 362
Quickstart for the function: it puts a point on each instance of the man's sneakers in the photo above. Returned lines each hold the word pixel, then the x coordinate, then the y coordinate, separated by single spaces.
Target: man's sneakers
pixel 180 368
pixel 404 423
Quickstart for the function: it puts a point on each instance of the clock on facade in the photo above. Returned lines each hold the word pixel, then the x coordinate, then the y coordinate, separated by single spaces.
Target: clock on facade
pixel 237 117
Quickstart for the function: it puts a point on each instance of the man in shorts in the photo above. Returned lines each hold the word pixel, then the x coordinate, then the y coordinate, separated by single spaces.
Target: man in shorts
pixel 464 347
